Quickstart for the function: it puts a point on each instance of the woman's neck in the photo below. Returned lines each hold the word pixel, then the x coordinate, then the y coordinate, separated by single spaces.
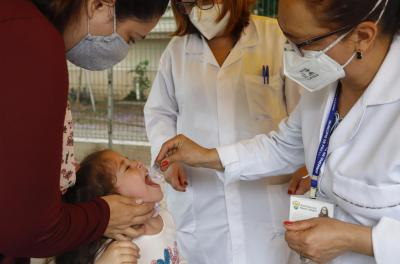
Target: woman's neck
pixel 153 226
pixel 221 47
pixel 360 74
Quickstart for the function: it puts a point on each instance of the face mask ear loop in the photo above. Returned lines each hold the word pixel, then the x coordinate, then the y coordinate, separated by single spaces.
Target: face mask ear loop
pixel 335 42
pixel 115 21
pixel 88 25
pixel 382 12
pixel 349 60
pixel 377 22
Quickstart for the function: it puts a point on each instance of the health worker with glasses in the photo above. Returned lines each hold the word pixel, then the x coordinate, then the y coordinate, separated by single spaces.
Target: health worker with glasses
pixel 345 129
pixel 219 81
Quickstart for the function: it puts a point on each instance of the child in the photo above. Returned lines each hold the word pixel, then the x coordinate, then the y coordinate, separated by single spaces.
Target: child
pixel 107 172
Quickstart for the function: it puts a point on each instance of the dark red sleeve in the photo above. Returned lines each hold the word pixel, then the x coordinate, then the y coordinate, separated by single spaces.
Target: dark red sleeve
pixel 33 93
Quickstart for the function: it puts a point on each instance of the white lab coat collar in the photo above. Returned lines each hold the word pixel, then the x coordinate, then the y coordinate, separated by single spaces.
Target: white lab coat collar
pixel 249 38
pixel 250 35
pixel 385 87
pixel 193 45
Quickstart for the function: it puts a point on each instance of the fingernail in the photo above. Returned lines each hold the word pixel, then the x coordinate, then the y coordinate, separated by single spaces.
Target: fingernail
pixel 164 163
pixel 288 223
pixel 139 201
pixel 289 192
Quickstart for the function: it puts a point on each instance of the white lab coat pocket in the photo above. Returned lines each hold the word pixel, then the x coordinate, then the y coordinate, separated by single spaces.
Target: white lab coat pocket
pixel 265 101
pixel 368 200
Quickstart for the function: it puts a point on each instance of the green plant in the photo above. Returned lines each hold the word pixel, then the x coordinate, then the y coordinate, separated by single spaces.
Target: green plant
pixel 141 82
pixel 141 72
pixel 266 8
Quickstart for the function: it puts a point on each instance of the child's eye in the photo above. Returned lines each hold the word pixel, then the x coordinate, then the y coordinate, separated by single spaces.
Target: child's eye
pixel 127 168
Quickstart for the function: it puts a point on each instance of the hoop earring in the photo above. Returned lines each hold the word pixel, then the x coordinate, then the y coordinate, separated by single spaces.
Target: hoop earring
pixel 359 55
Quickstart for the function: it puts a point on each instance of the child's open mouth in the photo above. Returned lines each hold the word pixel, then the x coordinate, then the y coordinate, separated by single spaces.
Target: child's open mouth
pixel 149 182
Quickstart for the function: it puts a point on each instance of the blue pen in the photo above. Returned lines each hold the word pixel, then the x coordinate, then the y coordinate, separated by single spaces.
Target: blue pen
pixel 264 72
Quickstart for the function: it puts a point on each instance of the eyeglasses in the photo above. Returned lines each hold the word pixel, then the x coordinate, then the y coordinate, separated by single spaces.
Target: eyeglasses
pixel 186 6
pixel 321 37
pixel 298 46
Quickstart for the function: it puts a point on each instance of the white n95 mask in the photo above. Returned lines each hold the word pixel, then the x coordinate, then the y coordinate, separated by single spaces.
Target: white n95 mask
pixel 315 70
pixel 98 53
pixel 206 21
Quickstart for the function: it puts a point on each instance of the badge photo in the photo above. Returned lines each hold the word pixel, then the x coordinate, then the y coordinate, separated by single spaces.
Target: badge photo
pixel 302 208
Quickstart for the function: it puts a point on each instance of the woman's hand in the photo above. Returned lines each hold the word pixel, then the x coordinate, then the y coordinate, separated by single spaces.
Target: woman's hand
pixel 127 217
pixel 300 183
pixel 182 149
pixel 119 252
pixel 176 177
pixel 323 239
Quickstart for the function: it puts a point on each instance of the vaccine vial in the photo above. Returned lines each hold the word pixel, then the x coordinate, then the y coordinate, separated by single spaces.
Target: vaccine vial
pixel 156 174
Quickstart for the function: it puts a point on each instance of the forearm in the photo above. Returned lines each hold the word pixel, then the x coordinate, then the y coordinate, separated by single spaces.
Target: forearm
pixel 53 230
pixel 360 239
pixel 77 224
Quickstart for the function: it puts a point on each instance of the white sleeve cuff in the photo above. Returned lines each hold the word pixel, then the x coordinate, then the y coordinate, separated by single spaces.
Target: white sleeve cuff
pixel 228 155
pixel 386 239
pixel 230 161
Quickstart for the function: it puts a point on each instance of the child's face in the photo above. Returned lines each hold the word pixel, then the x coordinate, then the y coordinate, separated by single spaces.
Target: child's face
pixel 133 179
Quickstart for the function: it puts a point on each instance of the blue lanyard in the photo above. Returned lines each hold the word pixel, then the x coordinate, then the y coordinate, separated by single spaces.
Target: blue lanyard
pixel 324 144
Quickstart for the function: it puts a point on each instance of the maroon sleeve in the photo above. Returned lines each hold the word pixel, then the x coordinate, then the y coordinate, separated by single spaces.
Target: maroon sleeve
pixel 33 86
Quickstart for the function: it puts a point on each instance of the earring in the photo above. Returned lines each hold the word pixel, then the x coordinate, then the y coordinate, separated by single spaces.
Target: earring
pixel 359 55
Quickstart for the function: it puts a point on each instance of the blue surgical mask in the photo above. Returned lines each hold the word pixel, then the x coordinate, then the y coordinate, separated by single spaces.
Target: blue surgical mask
pixel 98 53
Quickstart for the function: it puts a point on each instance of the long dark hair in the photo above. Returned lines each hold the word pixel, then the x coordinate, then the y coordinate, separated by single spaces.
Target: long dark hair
pixel 93 179
pixel 340 13
pixel 61 12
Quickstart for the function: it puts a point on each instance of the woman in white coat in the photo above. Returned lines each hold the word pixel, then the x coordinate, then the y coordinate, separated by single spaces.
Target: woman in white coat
pixel 347 53
pixel 220 81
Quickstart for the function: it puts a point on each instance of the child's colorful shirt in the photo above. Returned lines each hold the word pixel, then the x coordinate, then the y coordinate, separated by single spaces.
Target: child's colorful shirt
pixel 160 248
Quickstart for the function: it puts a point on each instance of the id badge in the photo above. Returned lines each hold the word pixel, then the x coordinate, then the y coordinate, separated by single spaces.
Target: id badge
pixel 302 208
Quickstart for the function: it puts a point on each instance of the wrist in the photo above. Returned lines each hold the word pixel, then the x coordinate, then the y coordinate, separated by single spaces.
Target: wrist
pixel 212 159
pixel 359 239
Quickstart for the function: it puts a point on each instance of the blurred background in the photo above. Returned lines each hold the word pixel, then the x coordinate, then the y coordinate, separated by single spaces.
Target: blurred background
pixel 108 105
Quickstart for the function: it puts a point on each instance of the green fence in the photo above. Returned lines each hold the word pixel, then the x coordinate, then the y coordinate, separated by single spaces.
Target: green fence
pixel 266 8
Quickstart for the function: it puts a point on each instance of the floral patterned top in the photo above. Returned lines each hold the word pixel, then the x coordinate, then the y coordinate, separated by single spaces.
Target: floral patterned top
pixel 68 176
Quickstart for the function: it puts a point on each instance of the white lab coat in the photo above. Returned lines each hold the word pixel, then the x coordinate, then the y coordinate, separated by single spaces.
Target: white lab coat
pixel 362 172
pixel 240 222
